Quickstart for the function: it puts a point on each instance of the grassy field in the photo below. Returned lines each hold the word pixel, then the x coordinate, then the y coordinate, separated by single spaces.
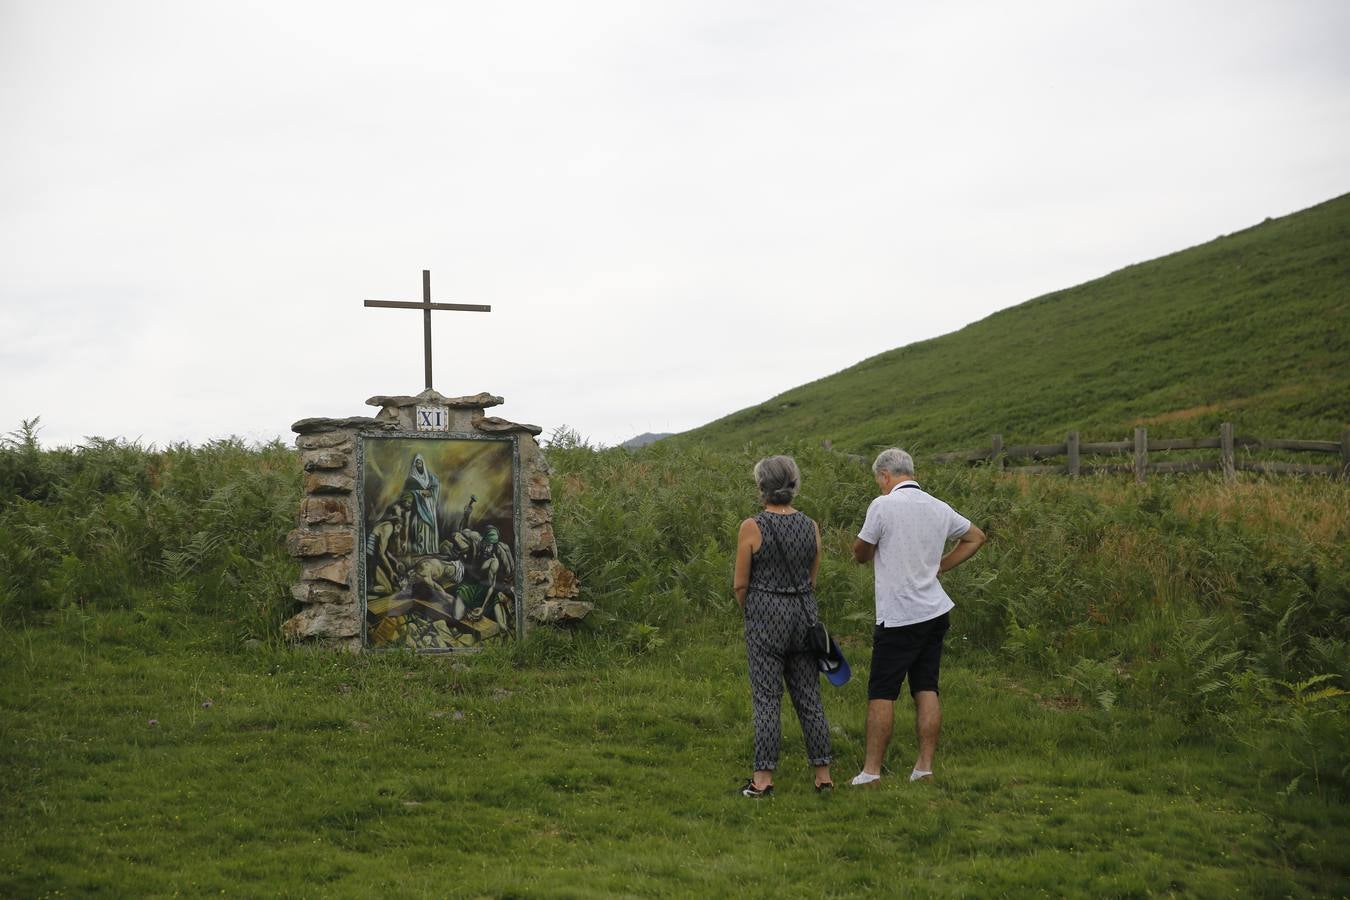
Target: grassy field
pixel 150 764
pixel 1252 327
pixel 1142 697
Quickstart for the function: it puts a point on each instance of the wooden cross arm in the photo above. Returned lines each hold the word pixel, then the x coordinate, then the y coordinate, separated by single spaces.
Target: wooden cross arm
pixel 457 307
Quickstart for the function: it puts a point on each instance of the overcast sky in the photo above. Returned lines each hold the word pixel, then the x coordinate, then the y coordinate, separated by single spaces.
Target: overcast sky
pixel 675 209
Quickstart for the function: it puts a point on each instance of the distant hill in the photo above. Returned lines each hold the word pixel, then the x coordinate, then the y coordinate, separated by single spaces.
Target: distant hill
pixel 644 439
pixel 1253 328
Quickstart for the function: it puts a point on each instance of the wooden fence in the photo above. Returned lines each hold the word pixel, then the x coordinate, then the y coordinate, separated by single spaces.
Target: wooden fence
pixel 1226 443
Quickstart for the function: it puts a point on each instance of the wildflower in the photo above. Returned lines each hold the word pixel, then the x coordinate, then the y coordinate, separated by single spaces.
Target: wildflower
pixel 206 704
pixel 154 721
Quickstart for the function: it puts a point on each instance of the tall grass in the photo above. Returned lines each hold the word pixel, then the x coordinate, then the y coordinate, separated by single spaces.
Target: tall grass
pixel 111 524
pixel 1145 693
pixel 1213 602
pixel 1226 606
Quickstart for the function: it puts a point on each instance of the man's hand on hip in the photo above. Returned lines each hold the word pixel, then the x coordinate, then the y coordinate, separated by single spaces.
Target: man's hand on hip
pixel 966 547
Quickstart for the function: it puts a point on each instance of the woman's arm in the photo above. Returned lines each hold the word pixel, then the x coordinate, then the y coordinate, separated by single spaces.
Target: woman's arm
pixel 747 542
pixel 815 566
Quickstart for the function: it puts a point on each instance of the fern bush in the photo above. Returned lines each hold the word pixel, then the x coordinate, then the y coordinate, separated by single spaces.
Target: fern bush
pixel 1096 568
pixel 111 524
pixel 1227 605
pixel 1184 594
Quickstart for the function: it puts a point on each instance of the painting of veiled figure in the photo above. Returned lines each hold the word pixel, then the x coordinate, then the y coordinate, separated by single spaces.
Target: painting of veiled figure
pixel 438 523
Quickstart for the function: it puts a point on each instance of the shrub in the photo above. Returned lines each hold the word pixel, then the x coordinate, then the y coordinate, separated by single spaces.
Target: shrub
pixel 111 524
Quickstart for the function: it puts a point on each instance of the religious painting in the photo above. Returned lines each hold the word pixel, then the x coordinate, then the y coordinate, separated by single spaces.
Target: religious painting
pixel 440 543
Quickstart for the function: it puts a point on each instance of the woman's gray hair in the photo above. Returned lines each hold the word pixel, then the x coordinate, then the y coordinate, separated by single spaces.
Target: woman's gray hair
pixel 778 478
pixel 894 461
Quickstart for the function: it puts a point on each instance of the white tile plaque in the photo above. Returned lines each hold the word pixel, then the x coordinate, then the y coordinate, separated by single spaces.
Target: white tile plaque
pixel 433 418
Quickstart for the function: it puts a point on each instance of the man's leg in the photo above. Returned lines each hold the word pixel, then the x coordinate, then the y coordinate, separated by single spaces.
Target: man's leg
pixel 927 726
pixel 892 653
pixel 880 723
pixel 923 684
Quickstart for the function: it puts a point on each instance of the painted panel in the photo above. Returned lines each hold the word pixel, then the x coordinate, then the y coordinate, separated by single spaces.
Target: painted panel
pixel 440 535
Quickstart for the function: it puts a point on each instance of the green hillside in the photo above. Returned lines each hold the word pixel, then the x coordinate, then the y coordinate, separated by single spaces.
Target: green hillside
pixel 1252 328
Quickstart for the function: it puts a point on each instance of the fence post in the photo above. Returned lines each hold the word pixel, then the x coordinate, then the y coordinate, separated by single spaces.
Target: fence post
pixel 1140 454
pixel 1345 453
pixel 1226 452
pixel 1072 441
pixel 997 453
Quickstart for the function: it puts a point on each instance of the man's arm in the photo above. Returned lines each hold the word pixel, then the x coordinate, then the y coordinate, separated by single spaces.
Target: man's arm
pixel 863 549
pixel 966 547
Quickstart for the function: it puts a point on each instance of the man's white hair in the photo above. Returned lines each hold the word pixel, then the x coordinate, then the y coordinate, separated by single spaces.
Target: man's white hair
pixel 895 461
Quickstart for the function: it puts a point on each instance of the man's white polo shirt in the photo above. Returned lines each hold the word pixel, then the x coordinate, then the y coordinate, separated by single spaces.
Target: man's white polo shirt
pixel 910 530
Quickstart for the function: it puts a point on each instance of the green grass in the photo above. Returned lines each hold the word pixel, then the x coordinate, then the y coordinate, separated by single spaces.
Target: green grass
pixel 1144 694
pixel 1130 700
pixel 1252 328
pixel 577 768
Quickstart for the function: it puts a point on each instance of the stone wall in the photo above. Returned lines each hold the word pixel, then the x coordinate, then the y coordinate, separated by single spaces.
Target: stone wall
pixel 327 532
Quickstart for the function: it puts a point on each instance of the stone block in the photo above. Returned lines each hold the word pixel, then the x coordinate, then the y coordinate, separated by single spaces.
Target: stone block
pixel 321 424
pixel 540 541
pixel 340 440
pixel 329 483
pixel 537 514
pixel 461 420
pixel 494 425
pixel 325 620
pixel 431 397
pixel 563 583
pixel 561 612
pixel 458 421
pixel 325 511
pixel 321 592
pixel 538 487
pixel 337 571
pixel 304 542
pixel 326 459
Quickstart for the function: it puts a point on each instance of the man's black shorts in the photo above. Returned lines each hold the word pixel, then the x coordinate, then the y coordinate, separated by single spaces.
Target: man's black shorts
pixel 908 650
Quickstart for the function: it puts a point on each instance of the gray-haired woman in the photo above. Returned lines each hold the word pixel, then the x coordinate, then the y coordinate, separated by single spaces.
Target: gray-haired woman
pixel 777 557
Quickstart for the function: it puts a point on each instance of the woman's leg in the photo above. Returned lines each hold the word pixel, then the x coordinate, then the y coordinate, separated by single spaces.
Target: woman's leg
pixel 766 694
pixel 803 684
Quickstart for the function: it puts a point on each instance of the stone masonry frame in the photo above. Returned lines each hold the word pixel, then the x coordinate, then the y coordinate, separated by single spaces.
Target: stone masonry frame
pixel 327 539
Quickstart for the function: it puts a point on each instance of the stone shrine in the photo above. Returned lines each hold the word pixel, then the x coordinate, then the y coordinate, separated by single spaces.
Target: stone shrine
pixel 427 526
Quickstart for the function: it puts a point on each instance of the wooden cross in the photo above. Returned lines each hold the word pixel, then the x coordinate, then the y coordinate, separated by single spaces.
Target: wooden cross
pixel 427 306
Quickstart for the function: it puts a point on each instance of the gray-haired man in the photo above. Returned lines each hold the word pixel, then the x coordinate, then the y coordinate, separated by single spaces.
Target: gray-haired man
pixel 904 536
